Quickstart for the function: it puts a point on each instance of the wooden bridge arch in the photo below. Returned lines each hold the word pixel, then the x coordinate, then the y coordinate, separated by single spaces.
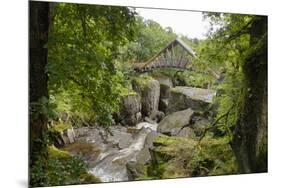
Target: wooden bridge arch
pixel 176 55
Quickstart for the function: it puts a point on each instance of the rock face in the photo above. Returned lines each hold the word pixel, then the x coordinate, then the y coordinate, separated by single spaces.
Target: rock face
pixel 149 90
pixel 66 137
pixel 165 86
pixel 173 123
pixel 187 97
pixel 130 112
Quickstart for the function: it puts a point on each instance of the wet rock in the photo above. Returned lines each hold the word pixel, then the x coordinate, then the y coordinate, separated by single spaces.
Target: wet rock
pixel 130 112
pixel 148 120
pixel 151 126
pixel 113 167
pixel 187 97
pixel 120 137
pixel 175 120
pixel 149 90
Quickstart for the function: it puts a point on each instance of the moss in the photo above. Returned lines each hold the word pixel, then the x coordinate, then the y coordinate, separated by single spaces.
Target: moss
pixel 176 157
pixel 60 169
pixel 175 89
pixel 89 178
pixel 60 127
pixel 57 153
pixel 127 92
pixel 142 81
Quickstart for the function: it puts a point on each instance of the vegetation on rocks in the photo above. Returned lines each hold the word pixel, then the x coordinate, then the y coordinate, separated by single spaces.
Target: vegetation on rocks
pixel 184 157
pixel 60 169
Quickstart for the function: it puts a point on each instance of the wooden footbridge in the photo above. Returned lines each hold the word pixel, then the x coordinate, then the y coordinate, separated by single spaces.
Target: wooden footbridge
pixel 176 55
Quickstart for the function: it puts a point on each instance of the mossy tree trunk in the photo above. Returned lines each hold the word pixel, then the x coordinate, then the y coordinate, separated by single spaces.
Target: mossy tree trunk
pixel 250 134
pixel 38 37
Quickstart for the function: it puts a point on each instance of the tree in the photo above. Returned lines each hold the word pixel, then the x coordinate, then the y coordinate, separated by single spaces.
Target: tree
pixel 38 92
pixel 151 37
pixel 83 44
pixel 239 46
pixel 250 135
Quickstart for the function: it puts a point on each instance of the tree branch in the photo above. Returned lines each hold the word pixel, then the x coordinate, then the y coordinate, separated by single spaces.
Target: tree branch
pixel 214 123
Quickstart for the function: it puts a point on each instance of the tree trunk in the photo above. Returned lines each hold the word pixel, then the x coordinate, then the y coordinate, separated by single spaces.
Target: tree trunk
pixel 250 135
pixel 38 37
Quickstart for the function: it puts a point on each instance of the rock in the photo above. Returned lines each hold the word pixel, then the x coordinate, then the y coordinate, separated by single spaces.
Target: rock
pixel 175 120
pixel 163 105
pixel 71 135
pixel 119 137
pixel 164 80
pixel 113 167
pixel 149 90
pixel 67 137
pixel 82 131
pixel 135 170
pixel 130 111
pixel 148 120
pixel 187 97
pixel 165 86
pixel 151 126
pixel 150 138
pixel 187 132
pixel 156 116
pixel 199 124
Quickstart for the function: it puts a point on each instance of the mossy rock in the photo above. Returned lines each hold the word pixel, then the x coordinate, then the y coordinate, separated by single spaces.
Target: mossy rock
pixel 127 92
pixel 87 178
pixel 85 150
pixel 57 153
pixel 189 158
pixel 60 127
pixel 142 81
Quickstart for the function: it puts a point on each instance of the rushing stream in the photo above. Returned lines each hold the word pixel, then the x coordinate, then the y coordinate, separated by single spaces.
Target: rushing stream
pixel 112 167
pixel 117 150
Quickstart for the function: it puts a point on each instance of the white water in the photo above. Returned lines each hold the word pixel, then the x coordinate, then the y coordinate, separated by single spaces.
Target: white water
pixel 112 166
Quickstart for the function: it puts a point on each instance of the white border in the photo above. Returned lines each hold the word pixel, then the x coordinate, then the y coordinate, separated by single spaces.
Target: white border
pixel 13 99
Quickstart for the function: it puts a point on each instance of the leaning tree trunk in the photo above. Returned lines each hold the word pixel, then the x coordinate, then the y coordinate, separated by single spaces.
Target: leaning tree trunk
pixel 38 37
pixel 250 134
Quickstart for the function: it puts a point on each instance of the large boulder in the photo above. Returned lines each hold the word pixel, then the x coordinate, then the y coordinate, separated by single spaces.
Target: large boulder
pixel 149 90
pixel 175 122
pixel 187 97
pixel 130 111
